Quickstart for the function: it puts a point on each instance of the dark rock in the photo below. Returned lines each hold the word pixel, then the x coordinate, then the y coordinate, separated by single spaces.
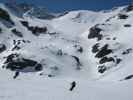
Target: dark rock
pixel 78 62
pixel 129 8
pixel 102 69
pixel 2 48
pixel 5 16
pixel 16 75
pixel 17 33
pixel 34 29
pixel 55 68
pixel 0 30
pixel 38 67
pixel 79 48
pixel 15 62
pixel 106 59
pixel 59 52
pixel 110 18
pixel 114 38
pixel 107 38
pixel 10 58
pixel 53 33
pixel 95 48
pixel 16 47
pixel 25 23
pixel 128 77
pixel 122 16
pixel 118 60
pixel 127 25
pixel 17 44
pixel 104 51
pixel 50 75
pixel 94 32
pixel 127 51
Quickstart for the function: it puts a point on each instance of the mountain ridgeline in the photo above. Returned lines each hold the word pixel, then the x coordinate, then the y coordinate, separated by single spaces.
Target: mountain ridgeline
pixel 77 43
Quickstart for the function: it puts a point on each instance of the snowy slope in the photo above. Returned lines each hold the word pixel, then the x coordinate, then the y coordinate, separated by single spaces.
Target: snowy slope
pixel 42 56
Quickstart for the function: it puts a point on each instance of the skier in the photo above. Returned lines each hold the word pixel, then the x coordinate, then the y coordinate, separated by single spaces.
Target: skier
pixel 73 85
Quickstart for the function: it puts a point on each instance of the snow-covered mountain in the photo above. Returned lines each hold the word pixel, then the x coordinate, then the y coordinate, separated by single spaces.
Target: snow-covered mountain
pixel 47 52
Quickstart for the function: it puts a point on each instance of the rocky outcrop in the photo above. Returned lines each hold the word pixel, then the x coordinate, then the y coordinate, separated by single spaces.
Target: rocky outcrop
pixel 34 29
pixel 104 51
pixel 17 33
pixel 122 16
pixel 15 62
pixel 5 16
pixel 2 48
pixel 94 32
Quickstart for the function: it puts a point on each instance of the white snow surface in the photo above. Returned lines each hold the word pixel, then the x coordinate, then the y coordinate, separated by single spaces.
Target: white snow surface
pixel 67 34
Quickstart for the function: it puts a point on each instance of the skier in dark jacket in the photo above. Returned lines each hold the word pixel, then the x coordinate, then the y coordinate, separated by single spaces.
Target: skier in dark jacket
pixel 73 85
